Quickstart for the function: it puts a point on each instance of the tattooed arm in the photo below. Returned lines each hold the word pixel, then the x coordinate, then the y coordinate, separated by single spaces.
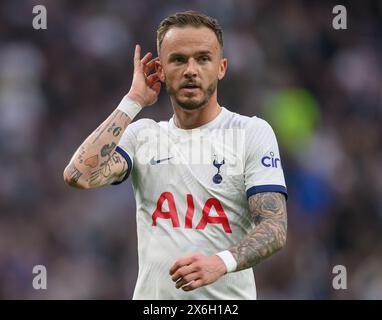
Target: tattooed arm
pixel 269 212
pixel 96 163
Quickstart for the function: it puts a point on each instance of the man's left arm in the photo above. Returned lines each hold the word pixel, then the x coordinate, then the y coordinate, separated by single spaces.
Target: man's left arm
pixel 269 212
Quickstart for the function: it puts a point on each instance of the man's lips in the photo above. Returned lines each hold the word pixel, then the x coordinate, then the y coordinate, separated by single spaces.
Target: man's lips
pixel 190 87
pixel 190 90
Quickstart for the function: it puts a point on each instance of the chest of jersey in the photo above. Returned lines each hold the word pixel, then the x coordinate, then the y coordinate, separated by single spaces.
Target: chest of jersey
pixel 212 159
pixel 191 180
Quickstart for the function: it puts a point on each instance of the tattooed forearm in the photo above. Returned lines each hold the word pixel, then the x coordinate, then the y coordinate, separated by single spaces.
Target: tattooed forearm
pixel 270 215
pixel 115 116
pixel 107 173
pixel 96 161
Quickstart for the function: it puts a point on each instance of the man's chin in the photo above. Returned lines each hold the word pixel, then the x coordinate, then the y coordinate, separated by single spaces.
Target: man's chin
pixel 191 104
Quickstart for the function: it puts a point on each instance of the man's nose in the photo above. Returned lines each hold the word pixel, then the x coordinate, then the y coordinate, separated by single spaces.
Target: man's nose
pixel 191 70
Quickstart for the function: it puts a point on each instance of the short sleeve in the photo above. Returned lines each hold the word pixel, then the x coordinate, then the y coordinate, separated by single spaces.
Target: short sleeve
pixel 263 170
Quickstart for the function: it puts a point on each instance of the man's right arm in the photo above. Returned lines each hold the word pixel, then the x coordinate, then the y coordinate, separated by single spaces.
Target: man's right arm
pixel 96 163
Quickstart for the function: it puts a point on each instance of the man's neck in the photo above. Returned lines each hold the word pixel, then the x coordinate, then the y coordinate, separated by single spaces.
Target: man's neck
pixel 190 119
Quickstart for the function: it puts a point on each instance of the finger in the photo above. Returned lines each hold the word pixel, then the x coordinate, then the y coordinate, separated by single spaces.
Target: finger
pixel 193 285
pixel 137 56
pixel 180 263
pixel 187 280
pixel 150 65
pixel 183 272
pixel 151 79
pixel 146 58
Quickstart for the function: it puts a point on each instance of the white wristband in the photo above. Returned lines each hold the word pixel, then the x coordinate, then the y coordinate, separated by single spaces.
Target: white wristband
pixel 228 260
pixel 130 107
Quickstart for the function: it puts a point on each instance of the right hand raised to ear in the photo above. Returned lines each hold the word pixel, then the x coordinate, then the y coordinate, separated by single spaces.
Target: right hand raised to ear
pixel 145 87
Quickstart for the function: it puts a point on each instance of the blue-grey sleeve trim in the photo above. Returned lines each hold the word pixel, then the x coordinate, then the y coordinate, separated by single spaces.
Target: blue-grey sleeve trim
pixel 267 188
pixel 124 154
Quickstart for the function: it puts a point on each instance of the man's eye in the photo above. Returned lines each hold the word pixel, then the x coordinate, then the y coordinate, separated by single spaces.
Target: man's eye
pixel 204 58
pixel 179 59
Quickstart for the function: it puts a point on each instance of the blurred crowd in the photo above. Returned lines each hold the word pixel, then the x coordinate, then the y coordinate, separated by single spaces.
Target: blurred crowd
pixel 320 88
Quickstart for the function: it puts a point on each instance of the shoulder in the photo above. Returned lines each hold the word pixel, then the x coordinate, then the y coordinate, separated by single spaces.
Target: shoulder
pixel 259 125
pixel 248 123
pixel 144 124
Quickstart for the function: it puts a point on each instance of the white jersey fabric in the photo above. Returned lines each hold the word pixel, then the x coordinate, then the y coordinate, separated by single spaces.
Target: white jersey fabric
pixel 191 189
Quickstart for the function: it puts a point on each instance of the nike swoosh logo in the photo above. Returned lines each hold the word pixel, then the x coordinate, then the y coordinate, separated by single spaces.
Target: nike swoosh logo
pixel 154 162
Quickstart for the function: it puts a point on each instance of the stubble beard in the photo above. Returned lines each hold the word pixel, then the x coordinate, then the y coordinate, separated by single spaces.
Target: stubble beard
pixel 191 104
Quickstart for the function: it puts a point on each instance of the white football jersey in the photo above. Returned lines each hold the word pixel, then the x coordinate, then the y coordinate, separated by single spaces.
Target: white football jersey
pixel 191 189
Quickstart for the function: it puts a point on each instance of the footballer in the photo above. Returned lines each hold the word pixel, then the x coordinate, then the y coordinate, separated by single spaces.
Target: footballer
pixel 208 183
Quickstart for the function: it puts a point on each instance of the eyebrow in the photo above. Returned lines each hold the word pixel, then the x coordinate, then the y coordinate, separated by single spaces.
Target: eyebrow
pixel 177 54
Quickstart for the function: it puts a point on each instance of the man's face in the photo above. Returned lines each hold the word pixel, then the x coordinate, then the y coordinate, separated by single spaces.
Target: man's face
pixel 190 65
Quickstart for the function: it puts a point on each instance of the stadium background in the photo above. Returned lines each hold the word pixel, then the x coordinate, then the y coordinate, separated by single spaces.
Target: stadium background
pixel 319 88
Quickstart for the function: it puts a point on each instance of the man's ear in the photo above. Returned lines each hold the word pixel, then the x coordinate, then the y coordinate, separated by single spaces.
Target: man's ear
pixel 222 68
pixel 159 70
